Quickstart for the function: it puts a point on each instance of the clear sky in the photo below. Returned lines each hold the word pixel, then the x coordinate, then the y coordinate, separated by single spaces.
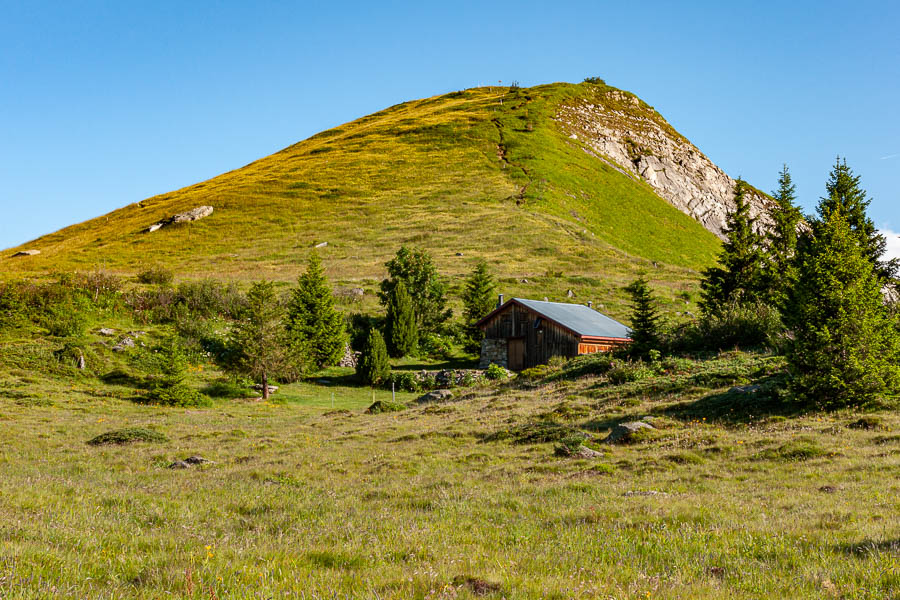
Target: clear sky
pixel 105 103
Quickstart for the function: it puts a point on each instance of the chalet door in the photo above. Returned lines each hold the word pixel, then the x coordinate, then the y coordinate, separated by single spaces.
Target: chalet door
pixel 515 357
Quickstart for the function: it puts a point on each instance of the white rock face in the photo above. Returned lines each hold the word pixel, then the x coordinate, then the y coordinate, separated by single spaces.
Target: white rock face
pixel 632 138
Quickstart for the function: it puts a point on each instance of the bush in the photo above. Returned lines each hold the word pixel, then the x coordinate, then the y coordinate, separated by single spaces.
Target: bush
pixel 594 80
pixel 435 346
pixel 624 372
pixel 208 298
pixel 67 319
pixel 539 432
pixel 99 284
pixel 495 372
pixel 127 436
pixel 739 326
pixel 373 366
pixel 383 406
pixel 403 380
pixel 156 276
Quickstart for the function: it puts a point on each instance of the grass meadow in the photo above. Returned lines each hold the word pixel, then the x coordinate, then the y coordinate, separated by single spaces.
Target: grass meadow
pixel 734 495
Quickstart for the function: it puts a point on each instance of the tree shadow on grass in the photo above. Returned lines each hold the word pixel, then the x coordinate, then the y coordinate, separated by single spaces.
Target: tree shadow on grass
pixel 760 400
pixel 737 406
pixel 867 547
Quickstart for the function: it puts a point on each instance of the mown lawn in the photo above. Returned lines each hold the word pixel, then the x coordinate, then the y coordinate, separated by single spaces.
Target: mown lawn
pixel 734 495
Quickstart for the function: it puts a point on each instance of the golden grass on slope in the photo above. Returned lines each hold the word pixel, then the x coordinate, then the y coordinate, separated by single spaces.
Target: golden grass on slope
pixel 445 173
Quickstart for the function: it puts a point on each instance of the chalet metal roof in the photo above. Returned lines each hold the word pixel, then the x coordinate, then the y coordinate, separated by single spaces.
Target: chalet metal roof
pixel 580 319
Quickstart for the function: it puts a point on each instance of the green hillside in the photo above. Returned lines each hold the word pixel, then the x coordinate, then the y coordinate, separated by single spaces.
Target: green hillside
pixel 483 173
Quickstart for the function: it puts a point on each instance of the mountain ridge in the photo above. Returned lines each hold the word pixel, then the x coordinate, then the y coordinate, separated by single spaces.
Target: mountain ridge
pixel 485 173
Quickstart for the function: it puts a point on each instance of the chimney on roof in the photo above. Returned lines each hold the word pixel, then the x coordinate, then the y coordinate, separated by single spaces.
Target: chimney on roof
pixel 500 301
pixel 590 304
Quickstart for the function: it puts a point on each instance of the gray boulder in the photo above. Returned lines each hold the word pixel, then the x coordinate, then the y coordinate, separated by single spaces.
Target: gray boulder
pixel 26 253
pixel 259 388
pixel 195 214
pixel 124 344
pixel 107 331
pixel 624 432
pixel 435 396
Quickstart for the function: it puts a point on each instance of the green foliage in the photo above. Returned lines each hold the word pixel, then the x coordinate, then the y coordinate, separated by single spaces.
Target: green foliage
pixel 645 332
pixel 401 329
pixel 844 349
pixel 403 380
pixel 13 310
pixel 749 325
pixel 416 269
pixel 479 298
pixel 495 372
pixel 230 387
pixel 435 346
pixel 373 366
pixel 594 80
pixel 313 323
pixel 259 337
pixel 156 275
pixel 170 387
pixel 384 406
pixel 67 319
pixel 845 195
pixel 781 240
pixel 625 371
pixel 737 279
pixel 128 436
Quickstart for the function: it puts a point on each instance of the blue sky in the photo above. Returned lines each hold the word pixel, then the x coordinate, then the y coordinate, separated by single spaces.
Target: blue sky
pixel 105 103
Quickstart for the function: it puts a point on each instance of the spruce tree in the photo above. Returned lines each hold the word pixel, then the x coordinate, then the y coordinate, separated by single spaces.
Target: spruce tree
pixel 415 268
pixel 844 193
pixel 737 279
pixel 479 298
pixel 258 337
pixel 781 239
pixel 644 317
pixel 400 325
pixel 373 366
pixel 313 323
pixel 844 349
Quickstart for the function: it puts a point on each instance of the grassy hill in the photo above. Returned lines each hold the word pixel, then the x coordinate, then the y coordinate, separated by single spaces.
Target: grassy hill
pixel 481 173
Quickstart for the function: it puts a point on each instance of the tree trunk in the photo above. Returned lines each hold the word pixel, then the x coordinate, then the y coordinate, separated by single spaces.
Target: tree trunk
pixel 265 384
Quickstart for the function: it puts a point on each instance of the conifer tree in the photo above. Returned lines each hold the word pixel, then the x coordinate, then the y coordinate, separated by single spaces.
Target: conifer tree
pixel 737 278
pixel 644 317
pixel 844 192
pixel 400 325
pixel 416 269
pixel 259 337
pixel 313 323
pixel 479 297
pixel 781 239
pixel 373 366
pixel 844 349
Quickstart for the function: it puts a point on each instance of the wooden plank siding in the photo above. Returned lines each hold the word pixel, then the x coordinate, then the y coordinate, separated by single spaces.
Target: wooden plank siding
pixel 541 343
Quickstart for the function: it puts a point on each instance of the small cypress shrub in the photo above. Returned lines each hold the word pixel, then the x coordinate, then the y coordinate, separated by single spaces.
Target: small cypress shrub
pixel 400 326
pixel 373 366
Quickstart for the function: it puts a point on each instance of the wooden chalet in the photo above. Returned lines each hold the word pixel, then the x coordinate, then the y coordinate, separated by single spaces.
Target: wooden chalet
pixel 523 333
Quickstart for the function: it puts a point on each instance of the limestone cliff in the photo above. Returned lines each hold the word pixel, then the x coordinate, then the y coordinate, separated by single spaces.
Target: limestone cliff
pixel 628 134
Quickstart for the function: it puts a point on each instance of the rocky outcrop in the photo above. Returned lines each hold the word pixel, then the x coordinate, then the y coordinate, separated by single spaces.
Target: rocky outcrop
pixel 26 253
pixel 195 214
pixel 634 139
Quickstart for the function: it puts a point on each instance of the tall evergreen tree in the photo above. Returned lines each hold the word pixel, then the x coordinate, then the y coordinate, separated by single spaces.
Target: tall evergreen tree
pixel 259 337
pixel 400 325
pixel 416 269
pixel 737 278
pixel 781 239
pixel 844 192
pixel 844 349
pixel 479 297
pixel 373 366
pixel 313 323
pixel 644 317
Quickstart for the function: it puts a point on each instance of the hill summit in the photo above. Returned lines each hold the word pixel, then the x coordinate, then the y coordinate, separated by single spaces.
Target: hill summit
pixel 582 178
